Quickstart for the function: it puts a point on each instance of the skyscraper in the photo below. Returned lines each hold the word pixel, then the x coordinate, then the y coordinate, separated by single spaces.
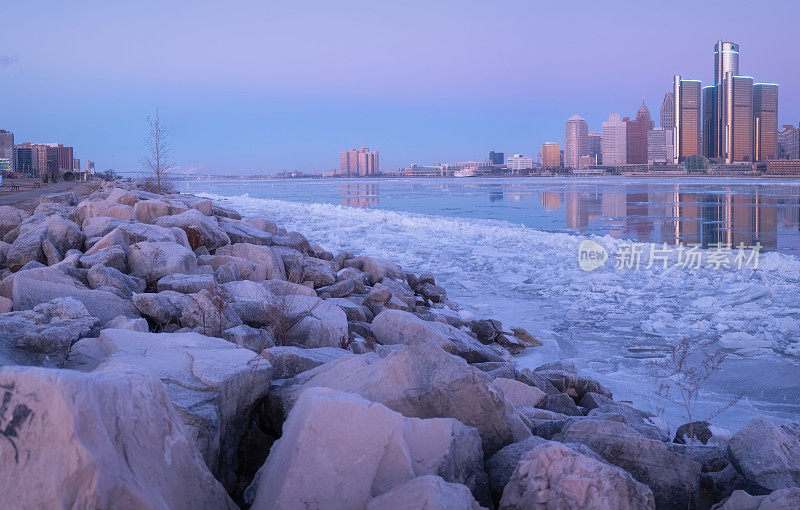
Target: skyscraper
pixel 358 162
pixel 636 136
pixel 789 142
pixel 737 118
pixel 551 155
pixel 614 141
pixel 709 127
pixel 576 141
pixel 765 112
pixel 668 111
pixel 596 147
pixel 659 146
pixel 687 118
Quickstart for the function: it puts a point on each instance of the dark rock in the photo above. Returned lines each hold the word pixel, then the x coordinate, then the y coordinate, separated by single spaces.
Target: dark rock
pixel 561 403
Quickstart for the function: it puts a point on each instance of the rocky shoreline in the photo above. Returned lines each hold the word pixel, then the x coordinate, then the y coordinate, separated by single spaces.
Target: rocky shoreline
pixel 160 351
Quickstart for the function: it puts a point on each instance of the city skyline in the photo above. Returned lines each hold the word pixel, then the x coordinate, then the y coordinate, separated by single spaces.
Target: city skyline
pixel 298 107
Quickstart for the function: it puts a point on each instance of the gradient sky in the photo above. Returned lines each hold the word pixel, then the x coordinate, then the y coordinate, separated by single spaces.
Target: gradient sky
pixel 248 86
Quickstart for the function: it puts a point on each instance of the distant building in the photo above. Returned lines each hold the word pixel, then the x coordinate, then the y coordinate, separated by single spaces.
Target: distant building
pixel 519 162
pixel 737 119
pixel 576 141
pixel 596 147
pixel 359 162
pixel 551 155
pixel 425 171
pixel 7 147
pixel 76 164
pixel 709 123
pixel 660 149
pixel 686 134
pixel 65 159
pixel 783 167
pixel 496 158
pixel 636 136
pixel 765 112
pixel 90 166
pixel 668 111
pixel 23 159
pixel 614 140
pixel 789 142
pixel 715 131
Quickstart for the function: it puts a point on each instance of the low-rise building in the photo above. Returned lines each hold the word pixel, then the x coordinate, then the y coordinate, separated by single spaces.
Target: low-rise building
pixel 783 167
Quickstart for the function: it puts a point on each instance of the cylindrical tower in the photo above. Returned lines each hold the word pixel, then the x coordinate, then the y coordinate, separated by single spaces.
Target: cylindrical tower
pixel 726 60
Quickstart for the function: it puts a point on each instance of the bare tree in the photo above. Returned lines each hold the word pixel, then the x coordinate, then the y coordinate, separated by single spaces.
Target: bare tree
pixel 156 159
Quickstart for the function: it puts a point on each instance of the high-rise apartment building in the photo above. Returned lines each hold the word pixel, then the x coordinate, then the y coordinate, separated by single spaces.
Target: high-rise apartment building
pixel 551 155
pixel 686 134
pixel 496 158
pixel 596 147
pixel 789 142
pixel 358 162
pixel 7 147
pixel 668 111
pixel 765 127
pixel 576 141
pixel 614 141
pixel 737 119
pixel 65 157
pixel 23 160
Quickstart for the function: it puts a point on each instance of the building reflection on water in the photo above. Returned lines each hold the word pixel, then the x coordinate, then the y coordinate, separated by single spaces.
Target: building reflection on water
pixel 360 195
pixel 704 218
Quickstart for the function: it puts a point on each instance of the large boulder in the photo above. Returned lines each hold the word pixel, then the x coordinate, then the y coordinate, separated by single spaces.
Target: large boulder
pixel 421 381
pixel 186 283
pixel 102 276
pixel 378 268
pixel 43 336
pixel 284 288
pixel 110 439
pixel 243 232
pixel 262 255
pixel 112 256
pixel 643 422
pixel 399 327
pixel 213 384
pixel 311 322
pixel 567 380
pixel 63 234
pixel 501 465
pixel 129 233
pixel 155 260
pixel 553 475
pixel 162 308
pixel 264 224
pixel 429 492
pixel 669 475
pixel 10 218
pixel 288 361
pixel 246 269
pixel 308 269
pixel 201 230
pixel 210 311
pixel 28 291
pixel 148 210
pixel 313 466
pixel 519 394
pixel 783 499
pixel 767 455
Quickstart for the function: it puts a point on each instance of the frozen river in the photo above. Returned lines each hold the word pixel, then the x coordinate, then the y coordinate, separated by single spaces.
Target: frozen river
pixel 693 258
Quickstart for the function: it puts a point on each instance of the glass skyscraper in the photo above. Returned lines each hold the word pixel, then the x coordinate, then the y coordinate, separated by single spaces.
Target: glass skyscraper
pixel 765 112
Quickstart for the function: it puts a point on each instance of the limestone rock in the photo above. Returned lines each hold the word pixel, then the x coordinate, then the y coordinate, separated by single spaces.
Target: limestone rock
pixel 163 307
pixel 420 381
pixel 103 440
pixel 428 492
pixel 155 260
pixel 519 394
pixel 43 336
pixel 378 268
pixel 330 467
pixel 553 475
pixel 186 283
pixel 288 361
pixel 102 276
pixel 262 255
pixel 767 455
pixel 201 230
pixel 398 327
pixel 212 383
